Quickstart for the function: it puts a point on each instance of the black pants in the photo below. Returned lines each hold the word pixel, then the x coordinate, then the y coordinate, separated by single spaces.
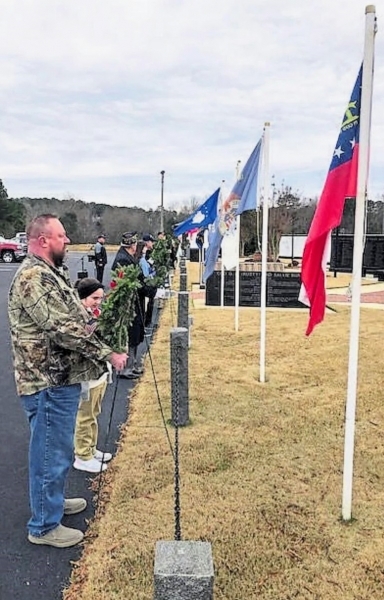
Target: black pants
pixel 149 312
pixel 100 273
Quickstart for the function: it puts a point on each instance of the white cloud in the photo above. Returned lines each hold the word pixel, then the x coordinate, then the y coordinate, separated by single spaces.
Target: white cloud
pixel 97 98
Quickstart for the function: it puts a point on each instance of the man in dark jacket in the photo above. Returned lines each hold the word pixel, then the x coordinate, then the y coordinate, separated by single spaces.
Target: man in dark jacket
pixel 146 264
pixel 125 257
pixel 100 257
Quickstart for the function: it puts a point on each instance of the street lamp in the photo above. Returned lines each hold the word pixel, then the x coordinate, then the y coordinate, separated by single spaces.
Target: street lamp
pixel 238 170
pixel 162 202
pixel 291 206
pixel 293 218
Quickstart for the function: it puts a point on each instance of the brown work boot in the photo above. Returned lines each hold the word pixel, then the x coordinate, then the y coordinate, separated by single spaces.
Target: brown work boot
pixel 60 537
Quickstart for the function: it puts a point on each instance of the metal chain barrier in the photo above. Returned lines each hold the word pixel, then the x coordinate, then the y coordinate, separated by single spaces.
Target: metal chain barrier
pixel 175 400
pixel 174 449
pixel 107 434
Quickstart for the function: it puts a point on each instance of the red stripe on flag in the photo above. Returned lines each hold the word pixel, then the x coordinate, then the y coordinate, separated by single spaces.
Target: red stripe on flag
pixel 340 184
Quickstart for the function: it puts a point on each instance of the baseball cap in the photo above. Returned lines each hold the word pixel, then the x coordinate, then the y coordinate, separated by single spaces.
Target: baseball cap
pixel 128 238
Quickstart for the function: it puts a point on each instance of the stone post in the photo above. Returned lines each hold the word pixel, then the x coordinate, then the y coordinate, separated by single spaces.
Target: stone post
pixel 182 309
pixel 179 376
pixel 183 571
pixel 190 323
pixel 183 282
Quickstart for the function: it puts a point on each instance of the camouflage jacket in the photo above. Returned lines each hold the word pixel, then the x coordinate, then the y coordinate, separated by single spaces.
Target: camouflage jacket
pixel 52 344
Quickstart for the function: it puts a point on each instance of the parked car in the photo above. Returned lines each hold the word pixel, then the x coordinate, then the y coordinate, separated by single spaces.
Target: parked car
pixel 11 251
pixel 21 237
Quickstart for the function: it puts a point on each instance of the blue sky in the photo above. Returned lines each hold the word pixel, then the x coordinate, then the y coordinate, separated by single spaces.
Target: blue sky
pixel 98 97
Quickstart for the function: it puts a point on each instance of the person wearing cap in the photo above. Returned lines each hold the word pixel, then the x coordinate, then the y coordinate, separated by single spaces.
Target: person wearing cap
pixel 100 257
pixel 146 264
pixel 148 240
pixel 126 256
pixel 126 253
pixel 87 456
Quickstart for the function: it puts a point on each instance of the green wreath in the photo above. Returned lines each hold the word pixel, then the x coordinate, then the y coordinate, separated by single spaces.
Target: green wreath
pixel 160 257
pixel 118 308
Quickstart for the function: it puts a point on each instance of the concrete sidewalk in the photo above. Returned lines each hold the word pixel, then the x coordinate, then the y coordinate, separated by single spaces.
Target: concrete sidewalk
pixel 372 295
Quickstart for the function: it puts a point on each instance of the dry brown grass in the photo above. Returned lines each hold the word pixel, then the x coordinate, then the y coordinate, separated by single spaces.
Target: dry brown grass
pixel 89 248
pixel 261 465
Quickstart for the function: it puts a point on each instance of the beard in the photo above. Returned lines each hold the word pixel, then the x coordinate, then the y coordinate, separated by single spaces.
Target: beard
pixel 58 258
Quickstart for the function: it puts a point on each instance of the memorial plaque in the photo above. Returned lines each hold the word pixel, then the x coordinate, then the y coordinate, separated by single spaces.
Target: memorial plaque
pixel 194 254
pixel 342 253
pixel 373 259
pixel 282 289
pixel 250 287
pixel 229 288
pixel 212 289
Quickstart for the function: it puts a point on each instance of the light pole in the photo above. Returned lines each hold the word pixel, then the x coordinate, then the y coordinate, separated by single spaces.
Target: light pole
pixel 292 208
pixel 293 218
pixel 238 170
pixel 162 202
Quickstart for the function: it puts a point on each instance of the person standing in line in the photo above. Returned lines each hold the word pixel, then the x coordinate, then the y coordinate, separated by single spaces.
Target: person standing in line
pixel 54 350
pixel 100 257
pixel 173 253
pixel 126 256
pixel 146 264
pixel 87 456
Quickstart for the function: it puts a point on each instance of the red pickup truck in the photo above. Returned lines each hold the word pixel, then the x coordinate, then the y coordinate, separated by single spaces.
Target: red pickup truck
pixel 12 251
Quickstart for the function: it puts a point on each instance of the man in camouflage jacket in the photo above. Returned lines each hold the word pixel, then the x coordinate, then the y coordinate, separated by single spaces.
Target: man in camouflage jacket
pixel 54 350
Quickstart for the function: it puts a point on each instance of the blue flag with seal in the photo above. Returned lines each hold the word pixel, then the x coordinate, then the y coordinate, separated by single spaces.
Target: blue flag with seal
pixel 242 197
pixel 204 215
pixel 245 189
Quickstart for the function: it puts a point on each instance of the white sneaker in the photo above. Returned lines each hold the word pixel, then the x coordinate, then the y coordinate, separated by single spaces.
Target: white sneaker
pixel 92 465
pixel 103 456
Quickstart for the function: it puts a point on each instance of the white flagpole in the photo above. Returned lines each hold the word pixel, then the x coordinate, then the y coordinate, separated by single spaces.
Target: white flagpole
pixel 264 253
pixel 362 176
pixel 222 286
pixel 237 273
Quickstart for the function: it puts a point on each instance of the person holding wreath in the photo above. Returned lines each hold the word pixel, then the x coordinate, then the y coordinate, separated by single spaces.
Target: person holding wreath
pixel 87 456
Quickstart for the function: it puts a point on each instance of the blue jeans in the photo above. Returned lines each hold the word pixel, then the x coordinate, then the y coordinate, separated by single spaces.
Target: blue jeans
pixel 52 416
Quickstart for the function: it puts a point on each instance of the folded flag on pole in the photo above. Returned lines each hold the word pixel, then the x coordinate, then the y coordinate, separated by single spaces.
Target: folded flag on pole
pixel 212 252
pixel 341 182
pixel 244 192
pixel 242 197
pixel 204 215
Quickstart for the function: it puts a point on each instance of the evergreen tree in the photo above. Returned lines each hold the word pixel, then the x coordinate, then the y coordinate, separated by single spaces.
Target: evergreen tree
pixel 12 214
